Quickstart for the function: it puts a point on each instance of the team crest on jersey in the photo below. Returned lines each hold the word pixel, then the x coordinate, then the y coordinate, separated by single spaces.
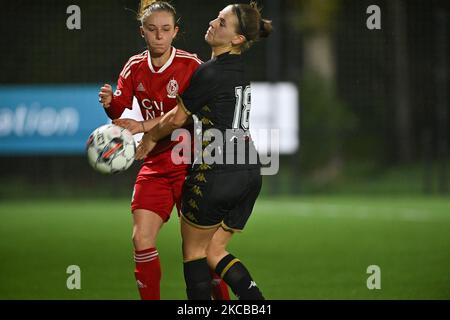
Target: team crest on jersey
pixel 172 88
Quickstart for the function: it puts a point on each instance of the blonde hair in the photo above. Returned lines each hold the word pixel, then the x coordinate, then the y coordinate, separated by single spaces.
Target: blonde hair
pixel 147 7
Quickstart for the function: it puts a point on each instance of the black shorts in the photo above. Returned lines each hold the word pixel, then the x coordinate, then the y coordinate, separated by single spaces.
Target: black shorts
pixel 212 199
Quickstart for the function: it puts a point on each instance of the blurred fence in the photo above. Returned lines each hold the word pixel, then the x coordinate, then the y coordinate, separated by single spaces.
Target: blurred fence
pixel 374 103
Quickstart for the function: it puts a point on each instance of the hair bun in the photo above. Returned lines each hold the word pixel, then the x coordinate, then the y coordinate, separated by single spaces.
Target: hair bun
pixel 265 28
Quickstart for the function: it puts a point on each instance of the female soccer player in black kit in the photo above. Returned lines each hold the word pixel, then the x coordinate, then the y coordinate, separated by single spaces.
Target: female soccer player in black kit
pixel 218 197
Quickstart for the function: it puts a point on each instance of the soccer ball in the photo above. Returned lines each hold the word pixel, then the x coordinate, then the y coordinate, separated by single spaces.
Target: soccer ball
pixel 110 149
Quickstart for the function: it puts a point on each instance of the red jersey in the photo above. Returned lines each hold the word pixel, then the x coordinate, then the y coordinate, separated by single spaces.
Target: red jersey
pixel 155 89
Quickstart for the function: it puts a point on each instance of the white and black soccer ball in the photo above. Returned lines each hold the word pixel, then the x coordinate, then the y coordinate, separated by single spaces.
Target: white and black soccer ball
pixel 110 149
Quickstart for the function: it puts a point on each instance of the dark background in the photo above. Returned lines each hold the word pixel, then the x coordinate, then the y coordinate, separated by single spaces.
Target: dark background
pixel 374 103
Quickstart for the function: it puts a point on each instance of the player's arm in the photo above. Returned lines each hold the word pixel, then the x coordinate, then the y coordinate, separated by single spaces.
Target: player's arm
pixel 115 103
pixel 135 126
pixel 175 119
pixel 200 91
pixel 171 121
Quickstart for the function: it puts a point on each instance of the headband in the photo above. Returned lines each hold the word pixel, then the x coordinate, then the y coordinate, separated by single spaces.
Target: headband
pixel 237 10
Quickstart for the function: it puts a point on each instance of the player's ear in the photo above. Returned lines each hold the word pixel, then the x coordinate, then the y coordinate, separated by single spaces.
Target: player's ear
pixel 141 30
pixel 238 40
pixel 175 32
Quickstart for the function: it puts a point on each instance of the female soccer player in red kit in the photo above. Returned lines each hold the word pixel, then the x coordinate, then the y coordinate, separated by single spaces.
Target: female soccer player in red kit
pixel 154 77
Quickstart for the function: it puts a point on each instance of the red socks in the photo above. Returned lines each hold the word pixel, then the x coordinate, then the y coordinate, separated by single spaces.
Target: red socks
pixel 148 277
pixel 219 287
pixel 148 273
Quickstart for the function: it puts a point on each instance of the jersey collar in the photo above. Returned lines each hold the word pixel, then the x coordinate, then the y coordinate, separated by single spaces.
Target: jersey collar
pixel 165 66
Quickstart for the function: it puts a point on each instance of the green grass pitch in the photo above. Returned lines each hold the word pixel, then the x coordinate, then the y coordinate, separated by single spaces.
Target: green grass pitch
pixel 296 248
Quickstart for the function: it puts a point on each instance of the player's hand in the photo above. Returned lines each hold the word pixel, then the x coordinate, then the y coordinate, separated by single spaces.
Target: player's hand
pixel 105 95
pixel 144 147
pixel 130 124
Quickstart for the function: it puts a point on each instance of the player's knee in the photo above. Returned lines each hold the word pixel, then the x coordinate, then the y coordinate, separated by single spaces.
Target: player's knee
pixel 143 240
pixel 215 252
pixel 192 252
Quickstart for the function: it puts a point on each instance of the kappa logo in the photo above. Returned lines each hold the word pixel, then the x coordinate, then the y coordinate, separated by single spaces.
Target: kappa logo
pixel 172 88
pixel 140 284
pixel 140 87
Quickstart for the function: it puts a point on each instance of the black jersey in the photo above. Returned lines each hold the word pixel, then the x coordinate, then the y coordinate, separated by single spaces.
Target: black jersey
pixel 220 98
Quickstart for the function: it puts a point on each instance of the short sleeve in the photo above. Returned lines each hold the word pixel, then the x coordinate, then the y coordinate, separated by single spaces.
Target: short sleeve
pixel 200 91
